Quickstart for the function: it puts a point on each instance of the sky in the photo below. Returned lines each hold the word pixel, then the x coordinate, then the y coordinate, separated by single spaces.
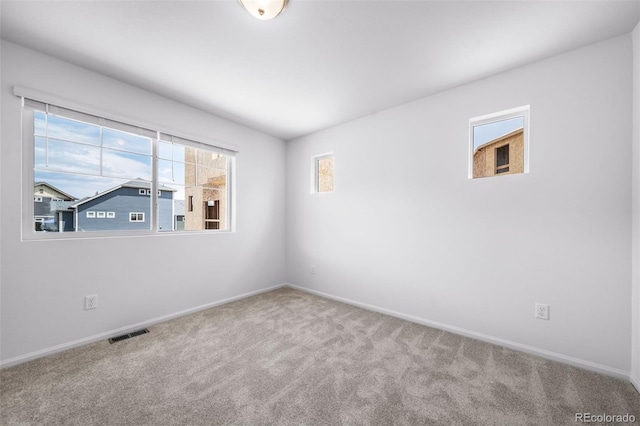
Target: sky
pixel 83 159
pixel 487 132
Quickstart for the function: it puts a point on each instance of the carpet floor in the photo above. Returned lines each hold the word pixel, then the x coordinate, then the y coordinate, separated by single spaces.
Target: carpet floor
pixel 287 357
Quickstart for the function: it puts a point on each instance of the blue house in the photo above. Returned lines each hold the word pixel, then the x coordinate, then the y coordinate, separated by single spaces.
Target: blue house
pixel 50 208
pixel 124 207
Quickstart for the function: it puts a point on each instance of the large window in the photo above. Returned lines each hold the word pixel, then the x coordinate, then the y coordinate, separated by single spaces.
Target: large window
pixel 499 143
pixel 87 169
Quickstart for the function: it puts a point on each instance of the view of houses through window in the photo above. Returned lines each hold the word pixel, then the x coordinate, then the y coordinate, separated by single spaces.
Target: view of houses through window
pixel 499 144
pixel 90 177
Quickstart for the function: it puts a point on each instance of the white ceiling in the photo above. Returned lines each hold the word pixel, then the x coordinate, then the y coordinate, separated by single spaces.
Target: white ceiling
pixel 318 64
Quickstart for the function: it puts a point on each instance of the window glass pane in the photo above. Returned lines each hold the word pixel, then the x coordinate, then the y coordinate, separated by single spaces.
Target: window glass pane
pixel 39 123
pixel 202 180
pixel 73 157
pixel 206 185
pixel 66 194
pixel 491 131
pixel 498 147
pixel 165 150
pixel 39 152
pixel 211 159
pixel 71 130
pixel 502 155
pixel 125 141
pixel 325 174
pixel 211 177
pixel 171 151
pixel 209 208
pixel 171 172
pixel 124 164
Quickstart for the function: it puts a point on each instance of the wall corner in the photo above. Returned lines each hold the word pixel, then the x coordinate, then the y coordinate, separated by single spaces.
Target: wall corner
pixel 635 213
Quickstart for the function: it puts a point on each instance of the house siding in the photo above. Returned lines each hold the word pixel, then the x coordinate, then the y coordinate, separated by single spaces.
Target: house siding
pixel 484 159
pixel 165 210
pixel 67 217
pixel 122 202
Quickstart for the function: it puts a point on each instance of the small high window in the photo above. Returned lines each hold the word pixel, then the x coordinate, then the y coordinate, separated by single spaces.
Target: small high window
pixel 499 143
pixel 322 173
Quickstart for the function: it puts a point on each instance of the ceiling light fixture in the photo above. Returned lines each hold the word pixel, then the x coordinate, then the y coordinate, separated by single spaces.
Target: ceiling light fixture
pixel 264 9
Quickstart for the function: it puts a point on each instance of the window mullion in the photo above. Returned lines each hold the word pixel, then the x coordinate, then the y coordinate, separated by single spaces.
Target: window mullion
pixel 101 150
pixel 155 199
pixel 46 136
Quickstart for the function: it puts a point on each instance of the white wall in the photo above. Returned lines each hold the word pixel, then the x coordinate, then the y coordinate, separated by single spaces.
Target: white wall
pixel 137 279
pixel 406 231
pixel 635 355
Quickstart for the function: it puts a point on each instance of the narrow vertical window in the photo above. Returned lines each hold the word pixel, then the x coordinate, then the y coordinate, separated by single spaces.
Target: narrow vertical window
pixel 212 215
pixel 322 173
pixel 502 159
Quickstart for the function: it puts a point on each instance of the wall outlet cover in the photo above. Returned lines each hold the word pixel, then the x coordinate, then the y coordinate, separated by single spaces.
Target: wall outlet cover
pixel 542 311
pixel 91 302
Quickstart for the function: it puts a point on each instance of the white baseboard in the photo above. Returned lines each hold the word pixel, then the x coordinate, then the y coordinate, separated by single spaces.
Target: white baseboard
pixel 635 381
pixel 576 362
pixel 453 329
pixel 122 330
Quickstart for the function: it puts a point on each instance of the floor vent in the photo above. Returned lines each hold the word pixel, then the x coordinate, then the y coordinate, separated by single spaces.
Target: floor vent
pixel 128 336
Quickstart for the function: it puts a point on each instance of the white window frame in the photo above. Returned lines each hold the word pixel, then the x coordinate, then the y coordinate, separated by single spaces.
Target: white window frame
pixel 101 215
pixel 91 214
pixel 27 114
pixel 315 172
pixel 111 215
pixel 523 111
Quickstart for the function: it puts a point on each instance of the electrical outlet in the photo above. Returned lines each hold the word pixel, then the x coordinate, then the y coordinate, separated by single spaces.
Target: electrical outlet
pixel 542 311
pixel 313 269
pixel 90 302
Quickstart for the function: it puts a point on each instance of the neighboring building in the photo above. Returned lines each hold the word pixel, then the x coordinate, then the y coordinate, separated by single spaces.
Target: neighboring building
pixel 205 190
pixel 47 203
pixel 43 189
pixel 124 207
pixel 178 215
pixel 503 155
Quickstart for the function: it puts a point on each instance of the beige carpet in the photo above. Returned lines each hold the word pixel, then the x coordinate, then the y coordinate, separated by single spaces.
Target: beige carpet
pixel 290 358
